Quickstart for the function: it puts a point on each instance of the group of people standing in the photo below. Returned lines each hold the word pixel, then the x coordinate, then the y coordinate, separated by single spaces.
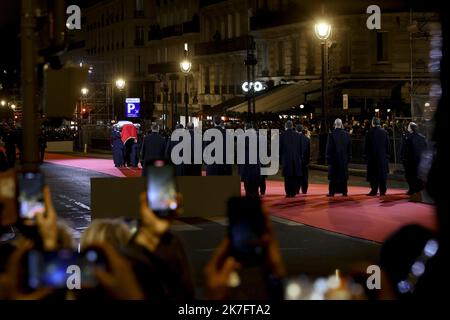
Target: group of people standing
pixel 377 154
pixel 339 155
pixel 294 157
pixel 125 146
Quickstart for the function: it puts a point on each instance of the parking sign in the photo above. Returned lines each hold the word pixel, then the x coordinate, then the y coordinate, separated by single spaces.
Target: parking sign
pixel 133 107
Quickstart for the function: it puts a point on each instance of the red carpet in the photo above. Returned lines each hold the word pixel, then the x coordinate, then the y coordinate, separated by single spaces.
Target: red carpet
pixel 357 215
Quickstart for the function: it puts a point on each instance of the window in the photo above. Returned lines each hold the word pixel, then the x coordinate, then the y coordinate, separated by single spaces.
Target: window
pixel 238 24
pixel 139 5
pixel 280 54
pixel 382 47
pixel 139 36
pixel 230 26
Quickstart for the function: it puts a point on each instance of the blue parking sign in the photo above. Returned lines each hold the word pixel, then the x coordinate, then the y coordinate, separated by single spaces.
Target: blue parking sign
pixel 133 107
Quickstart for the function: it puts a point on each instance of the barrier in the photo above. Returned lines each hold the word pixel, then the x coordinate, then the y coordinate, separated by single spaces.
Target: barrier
pixel 202 196
pixel 59 146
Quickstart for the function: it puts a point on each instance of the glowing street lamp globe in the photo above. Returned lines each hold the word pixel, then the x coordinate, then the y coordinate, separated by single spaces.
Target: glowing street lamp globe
pixel 84 91
pixel 185 66
pixel 3 103
pixel 13 106
pixel 120 84
pixel 322 30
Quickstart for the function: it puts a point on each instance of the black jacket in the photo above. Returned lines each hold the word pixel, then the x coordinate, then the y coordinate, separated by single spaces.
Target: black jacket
pixel 376 153
pixel 338 154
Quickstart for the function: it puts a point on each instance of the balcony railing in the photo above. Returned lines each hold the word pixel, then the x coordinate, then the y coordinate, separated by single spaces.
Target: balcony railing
pixel 205 3
pixel 221 46
pixel 172 31
pixel 266 19
pixel 165 67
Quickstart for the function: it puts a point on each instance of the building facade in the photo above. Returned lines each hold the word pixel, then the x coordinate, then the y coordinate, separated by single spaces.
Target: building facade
pixel 143 42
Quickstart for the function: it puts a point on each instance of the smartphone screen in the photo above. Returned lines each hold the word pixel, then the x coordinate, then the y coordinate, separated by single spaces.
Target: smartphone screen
pixel 50 269
pixel 30 194
pixel 246 228
pixel 161 189
pixel 89 261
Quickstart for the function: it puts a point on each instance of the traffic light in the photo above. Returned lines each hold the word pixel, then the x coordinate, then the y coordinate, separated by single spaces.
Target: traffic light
pixel 85 113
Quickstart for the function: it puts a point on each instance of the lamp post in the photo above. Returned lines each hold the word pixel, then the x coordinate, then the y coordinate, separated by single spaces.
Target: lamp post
pixel 120 85
pixel 186 66
pixel 323 31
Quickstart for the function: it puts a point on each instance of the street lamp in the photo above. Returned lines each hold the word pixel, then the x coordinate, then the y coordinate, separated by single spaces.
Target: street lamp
pixel 185 67
pixel 13 106
pixel 323 32
pixel 120 85
pixel 84 91
pixel 3 103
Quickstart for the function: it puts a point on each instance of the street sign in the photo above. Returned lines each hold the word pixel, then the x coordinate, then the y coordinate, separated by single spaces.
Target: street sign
pixel 133 107
pixel 345 101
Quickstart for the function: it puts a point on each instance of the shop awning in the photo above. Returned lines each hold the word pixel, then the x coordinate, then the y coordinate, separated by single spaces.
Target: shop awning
pixel 280 99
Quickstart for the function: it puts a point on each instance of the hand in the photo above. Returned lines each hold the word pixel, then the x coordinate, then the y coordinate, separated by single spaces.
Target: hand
pixel 218 272
pixel 152 227
pixel 120 282
pixel 47 223
pixel 10 280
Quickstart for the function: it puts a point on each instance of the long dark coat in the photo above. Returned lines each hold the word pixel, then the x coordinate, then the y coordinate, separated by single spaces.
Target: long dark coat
pixel 376 153
pixel 338 154
pixel 192 169
pixel 179 168
pixel 250 173
pixel 414 144
pixel 306 153
pixel 117 148
pixel 291 153
pixel 153 147
pixel 220 169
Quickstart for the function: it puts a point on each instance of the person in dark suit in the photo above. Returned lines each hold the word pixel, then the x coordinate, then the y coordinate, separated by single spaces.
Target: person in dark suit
pixel 179 168
pixel 117 149
pixel 414 144
pixel 153 147
pixel 291 159
pixel 192 169
pixel 250 172
pixel 220 169
pixel 306 154
pixel 376 153
pixel 338 155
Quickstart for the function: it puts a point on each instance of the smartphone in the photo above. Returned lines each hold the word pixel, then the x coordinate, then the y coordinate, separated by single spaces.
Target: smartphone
pixel 161 189
pixel 30 194
pixel 52 269
pixel 89 261
pixel 246 229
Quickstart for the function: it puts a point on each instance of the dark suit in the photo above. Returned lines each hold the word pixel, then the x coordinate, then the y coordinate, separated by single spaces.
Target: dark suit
pixel 291 160
pixel 250 173
pixel 217 169
pixel 306 154
pixel 192 169
pixel 117 149
pixel 413 145
pixel 376 152
pixel 153 148
pixel 179 168
pixel 338 155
